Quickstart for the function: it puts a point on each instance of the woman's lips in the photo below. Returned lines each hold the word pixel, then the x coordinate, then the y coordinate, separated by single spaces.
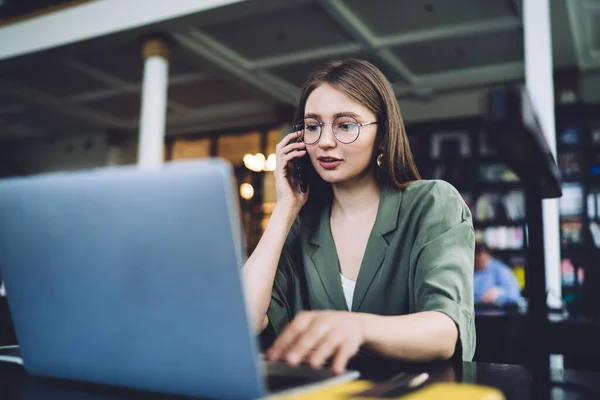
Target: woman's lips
pixel 329 163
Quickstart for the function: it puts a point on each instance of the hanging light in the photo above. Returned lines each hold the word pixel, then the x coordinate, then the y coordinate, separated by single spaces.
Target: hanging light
pixel 271 161
pixel 250 162
pixel 260 160
pixel 246 191
pixel 254 162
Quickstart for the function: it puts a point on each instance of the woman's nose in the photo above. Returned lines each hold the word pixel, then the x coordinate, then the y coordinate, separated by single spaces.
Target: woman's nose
pixel 327 137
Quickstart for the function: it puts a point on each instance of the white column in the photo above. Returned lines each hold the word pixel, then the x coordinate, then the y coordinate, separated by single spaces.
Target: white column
pixel 115 141
pixel 154 104
pixel 113 156
pixel 540 85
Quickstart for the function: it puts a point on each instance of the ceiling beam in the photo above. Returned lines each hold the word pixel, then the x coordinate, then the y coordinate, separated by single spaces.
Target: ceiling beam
pixel 59 106
pixel 574 12
pixel 306 55
pixel 112 92
pixel 463 29
pixel 213 118
pixel 178 108
pixel 107 93
pixel 392 40
pixel 238 66
pixel 94 19
pixel 220 125
pixel 93 96
pixel 231 111
pixel 466 77
pixel 359 30
pixel 187 78
pixel 101 76
pixel 120 85
pixel 222 112
pixel 182 79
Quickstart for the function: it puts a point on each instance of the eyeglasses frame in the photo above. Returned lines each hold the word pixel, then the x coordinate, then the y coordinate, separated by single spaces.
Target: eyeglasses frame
pixel 321 124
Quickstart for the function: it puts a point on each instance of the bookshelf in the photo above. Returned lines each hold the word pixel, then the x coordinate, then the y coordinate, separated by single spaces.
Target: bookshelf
pixel 457 151
pixel 472 165
pixel 578 154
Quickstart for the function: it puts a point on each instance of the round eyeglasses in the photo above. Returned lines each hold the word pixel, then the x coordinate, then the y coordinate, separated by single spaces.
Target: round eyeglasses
pixel 345 129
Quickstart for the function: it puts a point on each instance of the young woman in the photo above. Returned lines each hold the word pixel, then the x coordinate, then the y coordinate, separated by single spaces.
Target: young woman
pixel 370 255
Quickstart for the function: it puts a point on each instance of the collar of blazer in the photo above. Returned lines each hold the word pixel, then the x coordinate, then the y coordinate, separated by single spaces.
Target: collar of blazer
pixel 324 256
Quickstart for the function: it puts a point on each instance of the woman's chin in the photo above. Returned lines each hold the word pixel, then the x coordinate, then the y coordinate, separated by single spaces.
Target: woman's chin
pixel 339 176
pixel 331 180
pixel 332 177
pixel 335 177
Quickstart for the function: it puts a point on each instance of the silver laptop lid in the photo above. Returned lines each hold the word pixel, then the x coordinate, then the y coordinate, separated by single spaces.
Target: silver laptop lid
pixel 130 277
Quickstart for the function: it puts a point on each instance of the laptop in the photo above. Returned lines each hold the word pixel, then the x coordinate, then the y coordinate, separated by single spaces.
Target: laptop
pixel 131 277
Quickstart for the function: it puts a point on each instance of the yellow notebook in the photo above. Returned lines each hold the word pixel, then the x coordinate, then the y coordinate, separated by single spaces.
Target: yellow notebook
pixel 435 391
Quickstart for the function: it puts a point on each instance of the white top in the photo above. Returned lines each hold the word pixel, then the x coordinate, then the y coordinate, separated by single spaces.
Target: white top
pixel 348 286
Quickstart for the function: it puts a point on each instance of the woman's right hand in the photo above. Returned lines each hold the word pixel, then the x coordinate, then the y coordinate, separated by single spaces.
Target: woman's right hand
pixel 288 151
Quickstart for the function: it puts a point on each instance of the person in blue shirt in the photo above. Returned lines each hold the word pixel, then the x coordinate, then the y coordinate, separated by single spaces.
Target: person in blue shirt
pixel 493 282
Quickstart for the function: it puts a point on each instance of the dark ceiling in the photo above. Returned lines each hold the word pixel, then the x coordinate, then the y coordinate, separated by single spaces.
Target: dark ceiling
pixel 241 65
pixel 17 8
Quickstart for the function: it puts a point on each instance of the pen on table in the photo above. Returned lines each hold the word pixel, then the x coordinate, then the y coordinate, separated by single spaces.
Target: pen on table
pixel 418 380
pixel 397 385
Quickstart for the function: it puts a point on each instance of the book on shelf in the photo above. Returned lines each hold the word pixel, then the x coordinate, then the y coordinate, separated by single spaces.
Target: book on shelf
pixel 571 202
pixel 501 207
pixel 501 237
pixel 569 136
pixel 514 204
pixel 450 143
pixel 571 232
pixel 570 165
pixel 595 230
pixel 591 206
pixel 595 135
pixel 569 272
pixel 496 173
pixel 519 272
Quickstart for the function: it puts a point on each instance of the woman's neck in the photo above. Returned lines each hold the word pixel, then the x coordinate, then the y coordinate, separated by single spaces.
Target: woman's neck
pixel 355 197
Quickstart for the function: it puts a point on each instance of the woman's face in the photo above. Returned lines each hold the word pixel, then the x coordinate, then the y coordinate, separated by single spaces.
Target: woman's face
pixel 334 161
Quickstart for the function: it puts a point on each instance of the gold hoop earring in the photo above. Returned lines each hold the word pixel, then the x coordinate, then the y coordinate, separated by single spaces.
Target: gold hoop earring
pixel 380 160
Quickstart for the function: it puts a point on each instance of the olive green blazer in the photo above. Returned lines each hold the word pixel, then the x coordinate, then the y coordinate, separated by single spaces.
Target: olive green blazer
pixel 419 257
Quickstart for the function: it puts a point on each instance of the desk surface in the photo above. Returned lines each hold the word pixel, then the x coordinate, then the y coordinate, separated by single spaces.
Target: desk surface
pixel 513 380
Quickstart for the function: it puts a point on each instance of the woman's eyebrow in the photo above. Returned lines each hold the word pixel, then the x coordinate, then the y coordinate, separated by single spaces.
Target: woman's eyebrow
pixel 336 115
pixel 312 115
pixel 346 114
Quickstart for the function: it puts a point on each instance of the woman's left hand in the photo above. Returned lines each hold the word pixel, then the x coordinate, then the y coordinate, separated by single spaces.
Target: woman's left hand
pixel 315 336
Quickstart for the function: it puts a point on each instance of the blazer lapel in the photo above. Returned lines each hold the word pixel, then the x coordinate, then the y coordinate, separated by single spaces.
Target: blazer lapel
pixel 325 261
pixel 377 245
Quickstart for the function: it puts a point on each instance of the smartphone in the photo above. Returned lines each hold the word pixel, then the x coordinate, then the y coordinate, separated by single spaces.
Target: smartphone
pixel 303 172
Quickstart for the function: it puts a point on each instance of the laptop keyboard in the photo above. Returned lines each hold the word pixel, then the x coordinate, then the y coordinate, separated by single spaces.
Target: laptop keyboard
pixel 280 376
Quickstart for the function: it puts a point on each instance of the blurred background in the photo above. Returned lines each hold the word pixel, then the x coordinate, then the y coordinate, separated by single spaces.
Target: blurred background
pixel 235 73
